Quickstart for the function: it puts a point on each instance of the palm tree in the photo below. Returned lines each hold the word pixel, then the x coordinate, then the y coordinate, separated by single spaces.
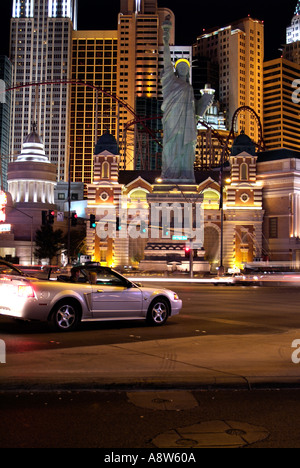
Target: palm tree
pixel 48 242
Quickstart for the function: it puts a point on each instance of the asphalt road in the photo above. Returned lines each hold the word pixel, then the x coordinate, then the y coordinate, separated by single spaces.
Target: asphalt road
pixel 159 420
pixel 207 310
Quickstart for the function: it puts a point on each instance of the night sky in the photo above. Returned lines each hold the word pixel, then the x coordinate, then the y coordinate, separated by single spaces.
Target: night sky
pixel 192 16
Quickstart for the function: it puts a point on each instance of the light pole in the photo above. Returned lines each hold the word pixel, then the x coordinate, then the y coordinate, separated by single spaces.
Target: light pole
pixel 69 208
pixel 221 266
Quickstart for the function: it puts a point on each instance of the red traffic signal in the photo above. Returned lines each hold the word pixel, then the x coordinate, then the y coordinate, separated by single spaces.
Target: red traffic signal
pixel 51 215
pixel 74 219
pixel 187 251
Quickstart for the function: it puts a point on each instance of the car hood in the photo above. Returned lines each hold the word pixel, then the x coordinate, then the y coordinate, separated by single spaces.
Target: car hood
pixel 155 291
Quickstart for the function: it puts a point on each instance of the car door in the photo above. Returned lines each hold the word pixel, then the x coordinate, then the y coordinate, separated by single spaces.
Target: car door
pixel 112 298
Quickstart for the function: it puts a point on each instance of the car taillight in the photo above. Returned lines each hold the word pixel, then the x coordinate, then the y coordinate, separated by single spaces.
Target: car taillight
pixel 25 291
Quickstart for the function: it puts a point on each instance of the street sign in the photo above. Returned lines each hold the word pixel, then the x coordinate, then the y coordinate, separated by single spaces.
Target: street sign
pixel 60 216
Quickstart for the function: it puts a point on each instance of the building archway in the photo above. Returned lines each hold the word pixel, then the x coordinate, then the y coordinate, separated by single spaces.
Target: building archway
pixel 212 245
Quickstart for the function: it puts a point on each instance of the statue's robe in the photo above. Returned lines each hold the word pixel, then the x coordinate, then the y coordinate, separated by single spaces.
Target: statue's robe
pixel 180 129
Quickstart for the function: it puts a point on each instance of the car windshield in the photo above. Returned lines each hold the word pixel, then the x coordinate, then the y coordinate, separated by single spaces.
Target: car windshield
pixel 104 276
pixel 6 269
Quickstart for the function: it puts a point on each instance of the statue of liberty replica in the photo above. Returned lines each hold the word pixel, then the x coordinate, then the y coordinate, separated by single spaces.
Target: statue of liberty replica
pixel 172 218
pixel 180 115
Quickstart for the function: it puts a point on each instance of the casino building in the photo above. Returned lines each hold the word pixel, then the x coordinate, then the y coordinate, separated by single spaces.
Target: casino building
pixel 126 196
pixel 255 220
pixel 31 183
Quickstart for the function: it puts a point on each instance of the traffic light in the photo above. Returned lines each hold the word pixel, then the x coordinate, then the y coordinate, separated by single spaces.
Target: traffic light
pixel 51 217
pixel 118 224
pixel 187 251
pixel 166 231
pixel 74 219
pixel 143 227
pixel 44 218
pixel 92 221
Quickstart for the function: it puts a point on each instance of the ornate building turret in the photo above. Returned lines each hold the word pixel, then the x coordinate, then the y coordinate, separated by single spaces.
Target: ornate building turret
pixel 31 182
pixel 104 200
pixel 32 178
pixel 243 208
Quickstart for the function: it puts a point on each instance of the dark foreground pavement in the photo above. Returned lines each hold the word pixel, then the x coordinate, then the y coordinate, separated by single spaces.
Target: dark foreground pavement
pixel 150 425
pixel 155 398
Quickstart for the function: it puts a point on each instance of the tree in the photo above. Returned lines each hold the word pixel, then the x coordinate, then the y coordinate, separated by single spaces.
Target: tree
pixel 48 242
pixel 77 244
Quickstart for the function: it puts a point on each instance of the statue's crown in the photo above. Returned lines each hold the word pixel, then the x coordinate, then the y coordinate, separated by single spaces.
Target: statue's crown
pixel 184 61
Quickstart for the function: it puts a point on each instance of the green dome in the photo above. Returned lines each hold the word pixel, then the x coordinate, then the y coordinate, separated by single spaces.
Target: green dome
pixel 243 143
pixel 107 142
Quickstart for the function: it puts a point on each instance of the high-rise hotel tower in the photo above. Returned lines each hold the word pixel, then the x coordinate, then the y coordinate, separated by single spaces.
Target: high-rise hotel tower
pixel 238 50
pixel 40 50
pixel 124 66
pixel 291 50
pixel 139 41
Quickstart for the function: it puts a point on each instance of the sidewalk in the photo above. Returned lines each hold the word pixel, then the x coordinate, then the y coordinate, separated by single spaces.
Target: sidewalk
pixel 246 362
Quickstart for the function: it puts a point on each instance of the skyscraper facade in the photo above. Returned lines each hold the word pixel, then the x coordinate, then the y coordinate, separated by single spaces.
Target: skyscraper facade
pixel 139 38
pixel 281 122
pixel 5 121
pixel 238 50
pixel 293 31
pixel 291 50
pixel 40 51
pixel 93 108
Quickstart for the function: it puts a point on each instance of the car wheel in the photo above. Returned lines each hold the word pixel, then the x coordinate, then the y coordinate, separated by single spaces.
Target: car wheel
pixel 65 316
pixel 158 312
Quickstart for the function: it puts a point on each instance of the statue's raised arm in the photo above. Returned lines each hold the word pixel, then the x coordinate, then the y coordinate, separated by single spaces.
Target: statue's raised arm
pixel 167 27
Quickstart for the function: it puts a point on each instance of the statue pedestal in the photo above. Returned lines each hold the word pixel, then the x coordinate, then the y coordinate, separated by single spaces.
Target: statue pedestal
pixel 175 212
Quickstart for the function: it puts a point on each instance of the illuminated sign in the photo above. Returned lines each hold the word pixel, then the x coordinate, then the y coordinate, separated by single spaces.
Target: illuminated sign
pixel 3 203
pixel 5 228
pixel 179 238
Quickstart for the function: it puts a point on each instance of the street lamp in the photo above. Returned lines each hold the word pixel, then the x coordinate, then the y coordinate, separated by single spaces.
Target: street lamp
pixel 221 266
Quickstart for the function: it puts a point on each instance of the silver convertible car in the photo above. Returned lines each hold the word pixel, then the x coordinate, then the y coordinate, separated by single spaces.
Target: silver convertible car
pixel 92 293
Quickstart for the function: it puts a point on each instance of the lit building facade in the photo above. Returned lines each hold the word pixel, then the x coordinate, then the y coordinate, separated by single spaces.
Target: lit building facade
pixel 31 184
pixel 94 61
pixel 243 207
pixel 5 118
pixel 104 201
pixel 40 51
pixel 293 31
pixel 278 173
pixel 31 177
pixel 126 196
pixel 238 50
pixel 281 120
pixel 139 38
pixel 291 50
